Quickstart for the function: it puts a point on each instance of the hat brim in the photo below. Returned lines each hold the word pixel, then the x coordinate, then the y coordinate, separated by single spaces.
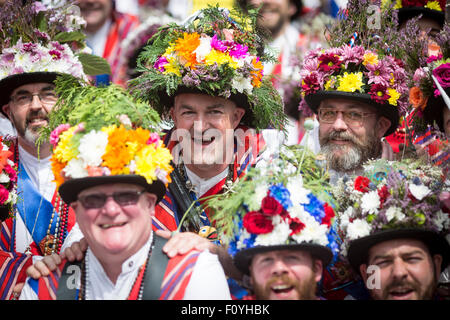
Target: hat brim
pixel 243 258
pixel 70 189
pixel 240 99
pixel 358 250
pixel 386 110
pixel 9 84
pixel 405 14
pixel 433 110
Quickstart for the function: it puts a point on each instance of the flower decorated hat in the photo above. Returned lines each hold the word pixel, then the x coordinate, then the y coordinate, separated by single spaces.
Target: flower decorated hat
pixel 103 135
pixel 392 200
pixel 407 9
pixel 277 207
pixel 360 65
pixel 213 52
pixel 37 44
pixel 8 177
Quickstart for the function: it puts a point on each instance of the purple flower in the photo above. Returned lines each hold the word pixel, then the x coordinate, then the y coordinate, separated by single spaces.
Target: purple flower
pixel 352 55
pixel 28 47
pixel 238 51
pixel 442 75
pixel 434 58
pixel 38 7
pixel 378 74
pixel 419 74
pixel 41 35
pixel 218 44
pixel 57 45
pixel 160 63
pixel 56 55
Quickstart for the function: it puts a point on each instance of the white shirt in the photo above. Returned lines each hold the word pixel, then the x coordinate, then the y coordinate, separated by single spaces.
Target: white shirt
pixel 203 185
pixel 208 281
pixel 97 41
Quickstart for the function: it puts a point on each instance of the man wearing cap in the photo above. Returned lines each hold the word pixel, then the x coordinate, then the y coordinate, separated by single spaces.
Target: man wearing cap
pixel 399 249
pixel 114 200
pixel 31 65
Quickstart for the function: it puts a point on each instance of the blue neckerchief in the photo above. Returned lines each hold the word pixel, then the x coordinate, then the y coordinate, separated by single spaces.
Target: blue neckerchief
pixel 31 198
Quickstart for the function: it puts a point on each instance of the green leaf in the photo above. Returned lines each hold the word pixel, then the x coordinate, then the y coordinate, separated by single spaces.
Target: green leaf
pixel 94 65
pixel 70 36
pixel 42 23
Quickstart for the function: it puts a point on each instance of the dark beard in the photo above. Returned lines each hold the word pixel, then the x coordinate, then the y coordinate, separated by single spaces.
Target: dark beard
pixel 360 152
pixel 306 289
pixel 426 294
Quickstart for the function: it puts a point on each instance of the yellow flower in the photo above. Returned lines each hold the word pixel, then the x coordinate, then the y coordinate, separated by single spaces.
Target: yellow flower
pixel 65 150
pixel 350 82
pixel 172 66
pixel 394 96
pixel 149 158
pixel 370 58
pixel 433 5
pixel 330 84
pixel 219 57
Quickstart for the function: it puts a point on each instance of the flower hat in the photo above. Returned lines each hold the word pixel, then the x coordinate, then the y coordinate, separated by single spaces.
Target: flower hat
pixel 275 208
pixel 433 9
pixel 8 178
pixel 103 135
pixel 359 65
pixel 214 52
pixel 392 200
pixel 38 43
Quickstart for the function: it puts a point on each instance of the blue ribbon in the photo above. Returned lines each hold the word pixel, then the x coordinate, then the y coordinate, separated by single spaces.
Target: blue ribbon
pixel 30 200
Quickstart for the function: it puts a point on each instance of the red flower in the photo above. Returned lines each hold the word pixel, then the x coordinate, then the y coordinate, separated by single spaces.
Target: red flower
pixel 362 184
pixel 383 193
pixel 329 62
pixel 296 226
pixel 329 214
pixel 310 83
pixel 270 206
pixel 378 93
pixel 257 223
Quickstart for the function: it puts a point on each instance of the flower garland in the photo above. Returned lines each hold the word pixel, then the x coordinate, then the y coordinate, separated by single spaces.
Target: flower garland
pixel 355 69
pixel 390 195
pixel 113 150
pixel 8 175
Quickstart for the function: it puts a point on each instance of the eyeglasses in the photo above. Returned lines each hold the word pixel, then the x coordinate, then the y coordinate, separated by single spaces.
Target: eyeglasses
pixel 98 200
pixel 352 118
pixel 25 99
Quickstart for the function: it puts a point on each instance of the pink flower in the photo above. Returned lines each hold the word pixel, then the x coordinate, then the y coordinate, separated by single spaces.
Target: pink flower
pixel 434 58
pixel 11 173
pixel 352 55
pixel 153 139
pixel 56 55
pixel 160 63
pixel 4 194
pixel 238 51
pixel 54 136
pixel 442 75
pixel 378 74
pixel 218 44
pixel 419 74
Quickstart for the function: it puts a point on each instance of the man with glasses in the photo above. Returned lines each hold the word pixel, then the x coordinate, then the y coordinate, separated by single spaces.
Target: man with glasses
pixel 114 201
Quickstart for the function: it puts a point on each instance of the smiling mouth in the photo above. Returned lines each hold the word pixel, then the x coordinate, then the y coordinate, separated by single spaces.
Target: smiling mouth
pixel 282 288
pixel 400 293
pixel 204 141
pixel 113 225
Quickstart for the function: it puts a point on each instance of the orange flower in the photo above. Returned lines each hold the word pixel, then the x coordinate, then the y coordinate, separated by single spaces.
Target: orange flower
pixel 257 74
pixel 57 168
pixel 186 46
pixel 416 98
pixel 117 154
pixel 433 48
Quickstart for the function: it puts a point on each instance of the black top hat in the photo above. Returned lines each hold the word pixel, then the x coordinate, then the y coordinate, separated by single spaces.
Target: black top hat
pixel 404 14
pixel 387 110
pixel 433 111
pixel 358 250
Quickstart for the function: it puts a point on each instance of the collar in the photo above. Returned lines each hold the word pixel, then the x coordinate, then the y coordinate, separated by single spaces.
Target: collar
pixel 203 185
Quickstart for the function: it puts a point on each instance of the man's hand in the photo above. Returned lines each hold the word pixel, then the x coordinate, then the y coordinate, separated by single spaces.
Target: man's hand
pixel 42 268
pixel 183 242
pixel 386 150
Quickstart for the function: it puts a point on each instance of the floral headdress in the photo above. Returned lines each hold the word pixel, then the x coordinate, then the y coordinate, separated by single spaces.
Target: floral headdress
pixel 274 206
pixel 36 39
pixel 8 178
pixel 391 196
pixel 359 64
pixel 409 8
pixel 216 53
pixel 104 132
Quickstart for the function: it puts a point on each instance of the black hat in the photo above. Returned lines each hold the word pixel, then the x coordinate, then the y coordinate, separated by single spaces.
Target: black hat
pixel 434 108
pixel 404 14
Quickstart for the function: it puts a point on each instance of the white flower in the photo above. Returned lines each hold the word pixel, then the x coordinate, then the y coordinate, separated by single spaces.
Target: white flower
pixel 203 49
pixel 242 84
pixel 254 203
pixel 419 191
pixel 345 217
pixel 279 234
pixel 244 236
pixel 92 148
pixel 357 229
pixel 441 220
pixel 313 232
pixel 370 202
pixel 299 195
pixel 75 169
pixel 4 178
pixel 394 212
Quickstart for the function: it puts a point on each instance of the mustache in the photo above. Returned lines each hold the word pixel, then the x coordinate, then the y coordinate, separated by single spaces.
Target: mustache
pixel 401 284
pixel 89 6
pixel 36 114
pixel 341 135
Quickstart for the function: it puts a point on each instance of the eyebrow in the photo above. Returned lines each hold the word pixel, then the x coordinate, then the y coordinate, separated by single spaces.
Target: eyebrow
pixel 48 88
pixel 389 256
pixel 214 106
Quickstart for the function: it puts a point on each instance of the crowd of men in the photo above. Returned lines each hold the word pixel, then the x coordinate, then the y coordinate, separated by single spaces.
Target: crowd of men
pixel 172 157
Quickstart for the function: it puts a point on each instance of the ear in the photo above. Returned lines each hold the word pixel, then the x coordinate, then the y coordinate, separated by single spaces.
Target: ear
pixel 151 200
pixel 437 259
pixel 383 124
pixel 363 271
pixel 292 8
pixel 318 269
pixel 5 109
pixel 237 116
pixel 74 205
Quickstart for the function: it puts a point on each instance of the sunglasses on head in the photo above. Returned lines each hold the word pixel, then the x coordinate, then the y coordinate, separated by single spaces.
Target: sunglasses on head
pixel 98 200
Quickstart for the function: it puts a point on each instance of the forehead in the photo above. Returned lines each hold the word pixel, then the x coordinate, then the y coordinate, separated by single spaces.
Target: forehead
pixel 398 247
pixel 346 104
pixel 33 87
pixel 201 101
pixel 107 188
pixel 281 253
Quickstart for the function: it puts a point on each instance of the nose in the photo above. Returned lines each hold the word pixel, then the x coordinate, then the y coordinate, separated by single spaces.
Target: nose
pixel 111 208
pixel 399 269
pixel 201 124
pixel 339 124
pixel 36 102
pixel 279 268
